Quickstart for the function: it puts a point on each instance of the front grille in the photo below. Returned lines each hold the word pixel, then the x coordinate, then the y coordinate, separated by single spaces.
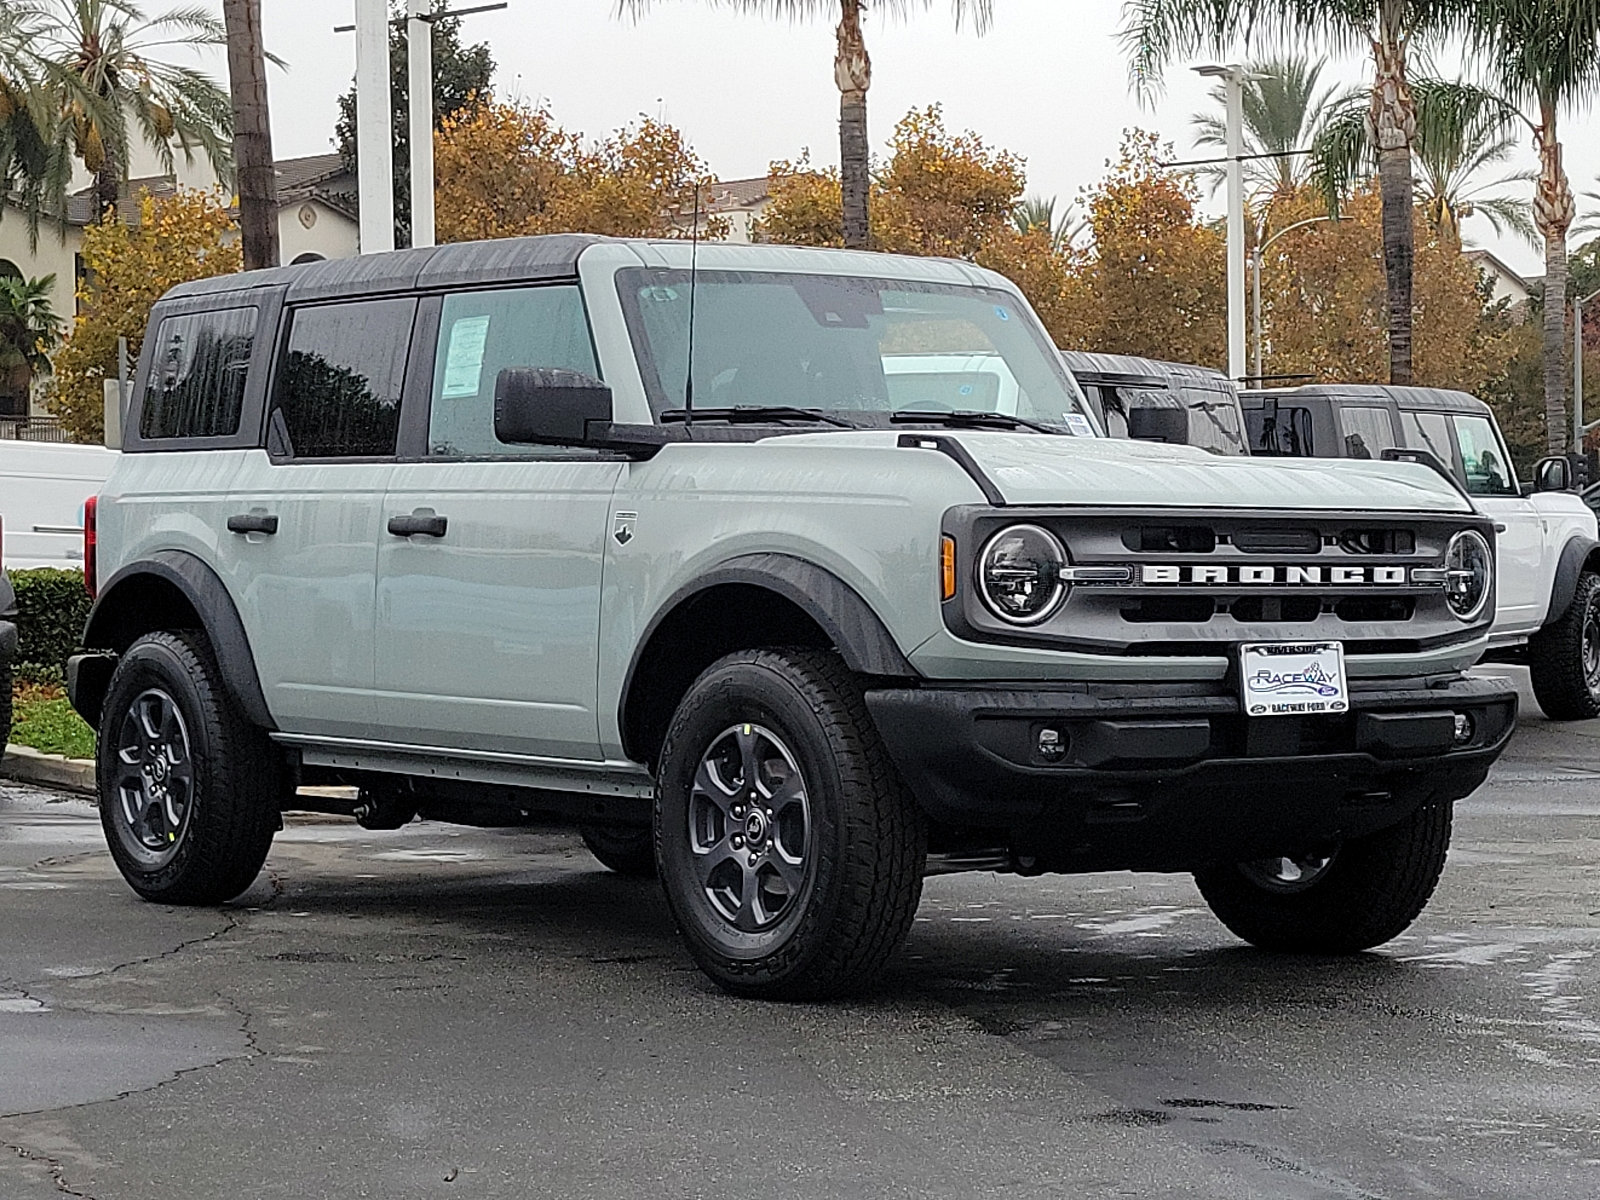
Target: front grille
pixel 1200 583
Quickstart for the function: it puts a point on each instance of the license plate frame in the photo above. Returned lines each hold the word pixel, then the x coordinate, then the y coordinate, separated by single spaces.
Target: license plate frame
pixel 1293 679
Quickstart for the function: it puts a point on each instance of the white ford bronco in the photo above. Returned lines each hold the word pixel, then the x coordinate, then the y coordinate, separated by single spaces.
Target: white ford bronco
pixel 700 549
pixel 1547 612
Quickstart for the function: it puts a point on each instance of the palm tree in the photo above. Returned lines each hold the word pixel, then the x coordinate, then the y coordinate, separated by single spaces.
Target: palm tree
pixel 1284 110
pixel 111 51
pixel 1546 56
pixel 1155 32
pixel 1039 212
pixel 1462 130
pixel 252 134
pixel 852 73
pixel 29 330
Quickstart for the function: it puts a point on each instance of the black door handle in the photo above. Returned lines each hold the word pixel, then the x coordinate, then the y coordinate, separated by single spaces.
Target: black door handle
pixel 252 522
pixel 423 521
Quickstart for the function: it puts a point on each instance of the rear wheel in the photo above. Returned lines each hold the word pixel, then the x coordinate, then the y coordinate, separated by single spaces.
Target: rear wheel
pixel 1564 657
pixel 626 849
pixel 188 787
pixel 1334 900
pixel 790 852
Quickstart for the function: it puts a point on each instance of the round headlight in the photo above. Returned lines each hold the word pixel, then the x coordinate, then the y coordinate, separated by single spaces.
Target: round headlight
pixel 1020 574
pixel 1469 570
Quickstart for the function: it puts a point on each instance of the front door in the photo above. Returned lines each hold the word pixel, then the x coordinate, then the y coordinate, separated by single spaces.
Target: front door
pixel 488 599
pixel 1522 579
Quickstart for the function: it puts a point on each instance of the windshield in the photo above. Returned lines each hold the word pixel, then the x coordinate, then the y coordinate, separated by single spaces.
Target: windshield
pixel 843 344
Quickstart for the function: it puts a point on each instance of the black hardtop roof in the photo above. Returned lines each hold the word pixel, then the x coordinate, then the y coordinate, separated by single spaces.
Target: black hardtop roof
pixel 1114 368
pixel 1415 399
pixel 511 260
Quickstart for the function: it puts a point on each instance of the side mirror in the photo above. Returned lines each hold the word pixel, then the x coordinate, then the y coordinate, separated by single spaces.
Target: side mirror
pixel 1149 424
pixel 550 406
pixel 1553 474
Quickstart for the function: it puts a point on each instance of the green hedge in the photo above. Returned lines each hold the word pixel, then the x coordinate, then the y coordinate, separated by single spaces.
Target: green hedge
pixel 51 610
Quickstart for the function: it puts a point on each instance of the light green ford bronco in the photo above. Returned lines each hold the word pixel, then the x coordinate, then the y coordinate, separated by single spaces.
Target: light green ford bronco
pixel 789 575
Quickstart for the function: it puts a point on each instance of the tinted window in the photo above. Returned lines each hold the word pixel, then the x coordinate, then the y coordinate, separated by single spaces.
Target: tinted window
pixel 196 385
pixel 1431 432
pixel 1367 431
pixel 480 334
pixel 338 388
pixel 1282 430
pixel 1488 470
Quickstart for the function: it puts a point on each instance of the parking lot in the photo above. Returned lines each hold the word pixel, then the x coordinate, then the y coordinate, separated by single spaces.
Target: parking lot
pixel 455 1012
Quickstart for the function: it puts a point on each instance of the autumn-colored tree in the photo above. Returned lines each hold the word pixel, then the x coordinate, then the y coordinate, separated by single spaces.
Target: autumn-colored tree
pixel 1323 298
pixel 509 170
pixel 188 235
pixel 1154 281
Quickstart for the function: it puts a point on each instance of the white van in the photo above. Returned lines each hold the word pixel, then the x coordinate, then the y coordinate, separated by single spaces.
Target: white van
pixel 42 489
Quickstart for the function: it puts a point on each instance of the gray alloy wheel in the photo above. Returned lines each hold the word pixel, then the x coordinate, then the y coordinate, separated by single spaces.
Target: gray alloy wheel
pixel 750 829
pixel 1288 872
pixel 154 784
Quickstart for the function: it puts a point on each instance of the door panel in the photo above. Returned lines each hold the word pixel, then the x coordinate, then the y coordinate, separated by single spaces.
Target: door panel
pixel 487 636
pixel 305 592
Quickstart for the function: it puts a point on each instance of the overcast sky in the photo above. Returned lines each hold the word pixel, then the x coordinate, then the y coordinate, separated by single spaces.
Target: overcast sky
pixel 1048 82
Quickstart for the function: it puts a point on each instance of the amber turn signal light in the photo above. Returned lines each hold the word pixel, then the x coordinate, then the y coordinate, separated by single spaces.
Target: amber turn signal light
pixel 947 567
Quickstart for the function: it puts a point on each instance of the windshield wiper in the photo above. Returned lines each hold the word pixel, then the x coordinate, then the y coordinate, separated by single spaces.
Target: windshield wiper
pixel 756 414
pixel 972 418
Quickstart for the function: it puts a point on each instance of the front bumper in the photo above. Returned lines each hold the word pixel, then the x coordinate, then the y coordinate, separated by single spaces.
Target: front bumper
pixel 1170 777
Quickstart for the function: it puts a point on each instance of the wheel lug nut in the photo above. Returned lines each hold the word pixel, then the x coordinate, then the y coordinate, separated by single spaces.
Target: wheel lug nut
pixel 738 842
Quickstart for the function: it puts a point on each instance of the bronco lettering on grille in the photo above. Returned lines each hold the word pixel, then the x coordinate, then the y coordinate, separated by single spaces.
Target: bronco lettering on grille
pixel 1265 576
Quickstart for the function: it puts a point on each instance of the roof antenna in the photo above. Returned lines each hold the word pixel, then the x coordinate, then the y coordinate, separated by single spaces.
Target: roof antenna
pixel 694 262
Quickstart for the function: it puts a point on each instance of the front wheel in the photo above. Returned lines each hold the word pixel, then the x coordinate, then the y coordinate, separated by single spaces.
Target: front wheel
pixel 789 849
pixel 1564 657
pixel 1334 900
pixel 188 787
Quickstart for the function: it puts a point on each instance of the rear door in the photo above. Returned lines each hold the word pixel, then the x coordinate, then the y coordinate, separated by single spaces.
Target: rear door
pixel 488 622
pixel 304 515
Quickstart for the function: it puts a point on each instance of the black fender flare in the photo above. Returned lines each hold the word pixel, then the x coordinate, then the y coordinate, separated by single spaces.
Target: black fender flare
pixel 849 622
pixel 219 618
pixel 1574 556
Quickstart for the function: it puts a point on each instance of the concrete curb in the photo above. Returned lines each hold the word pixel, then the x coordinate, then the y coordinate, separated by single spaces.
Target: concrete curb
pixel 34 766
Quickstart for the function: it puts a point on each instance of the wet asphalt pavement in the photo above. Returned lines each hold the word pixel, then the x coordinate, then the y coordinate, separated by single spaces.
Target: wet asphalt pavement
pixel 443 1012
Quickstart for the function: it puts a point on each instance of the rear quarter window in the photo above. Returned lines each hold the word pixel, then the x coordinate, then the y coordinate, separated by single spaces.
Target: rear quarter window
pixel 197 374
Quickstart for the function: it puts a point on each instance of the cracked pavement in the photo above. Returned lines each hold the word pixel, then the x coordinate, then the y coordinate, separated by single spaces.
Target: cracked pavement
pixel 451 1012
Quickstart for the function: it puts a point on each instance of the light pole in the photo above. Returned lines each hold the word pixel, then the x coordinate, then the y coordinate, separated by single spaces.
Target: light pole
pixel 1233 77
pixel 1261 249
pixel 374 145
pixel 419 86
pixel 1578 427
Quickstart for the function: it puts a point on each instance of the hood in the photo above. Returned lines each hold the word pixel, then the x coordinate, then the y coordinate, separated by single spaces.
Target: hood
pixel 1032 469
pixel 1049 470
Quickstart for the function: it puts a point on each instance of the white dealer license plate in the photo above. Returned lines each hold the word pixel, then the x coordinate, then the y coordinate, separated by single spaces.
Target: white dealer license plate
pixel 1291 679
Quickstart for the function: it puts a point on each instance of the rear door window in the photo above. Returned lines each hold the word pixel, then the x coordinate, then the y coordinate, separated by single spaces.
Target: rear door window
pixel 197 374
pixel 1368 430
pixel 337 394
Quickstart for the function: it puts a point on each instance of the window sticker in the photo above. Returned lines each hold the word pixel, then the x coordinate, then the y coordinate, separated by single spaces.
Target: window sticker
pixel 463 364
pixel 1079 424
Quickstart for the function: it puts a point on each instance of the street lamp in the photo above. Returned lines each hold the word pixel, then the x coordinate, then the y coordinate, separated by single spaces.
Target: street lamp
pixel 1578 427
pixel 1261 249
pixel 1233 76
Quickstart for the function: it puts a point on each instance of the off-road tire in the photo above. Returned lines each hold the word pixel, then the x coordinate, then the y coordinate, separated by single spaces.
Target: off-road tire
pixel 1374 888
pixel 869 839
pixel 237 775
pixel 626 849
pixel 1566 686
